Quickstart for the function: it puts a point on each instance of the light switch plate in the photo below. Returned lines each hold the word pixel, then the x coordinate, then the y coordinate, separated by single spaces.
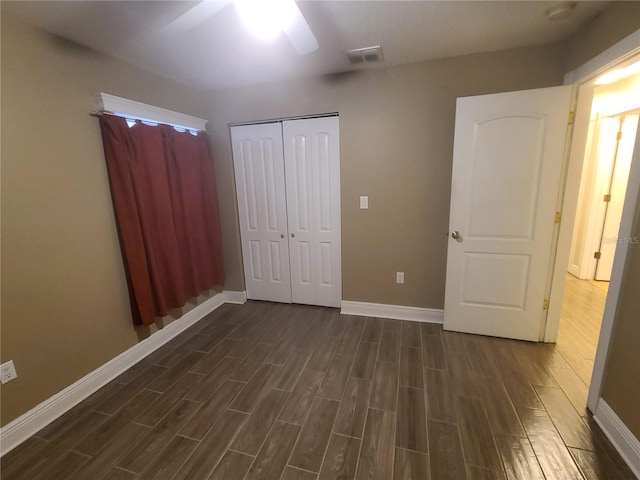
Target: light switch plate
pixel 399 277
pixel 364 202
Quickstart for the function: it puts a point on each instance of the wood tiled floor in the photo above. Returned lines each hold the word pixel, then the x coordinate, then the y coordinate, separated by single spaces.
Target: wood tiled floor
pixel 580 324
pixel 268 391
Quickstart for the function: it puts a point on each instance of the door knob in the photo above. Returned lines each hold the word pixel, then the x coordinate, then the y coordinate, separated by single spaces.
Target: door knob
pixel 456 236
pixel 282 235
pixel 293 235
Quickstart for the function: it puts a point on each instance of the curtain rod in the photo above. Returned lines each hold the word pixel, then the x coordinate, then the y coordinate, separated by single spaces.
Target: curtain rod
pixel 284 119
pixel 99 113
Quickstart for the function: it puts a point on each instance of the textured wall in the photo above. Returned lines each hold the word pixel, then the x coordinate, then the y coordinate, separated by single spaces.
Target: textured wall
pixel 65 305
pixel 621 386
pixel 619 20
pixel 396 146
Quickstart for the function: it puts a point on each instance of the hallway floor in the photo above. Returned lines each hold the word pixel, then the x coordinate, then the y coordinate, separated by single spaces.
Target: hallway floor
pixel 580 324
pixel 269 391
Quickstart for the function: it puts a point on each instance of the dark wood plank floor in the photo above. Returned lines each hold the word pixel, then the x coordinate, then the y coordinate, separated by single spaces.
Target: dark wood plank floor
pixel 269 391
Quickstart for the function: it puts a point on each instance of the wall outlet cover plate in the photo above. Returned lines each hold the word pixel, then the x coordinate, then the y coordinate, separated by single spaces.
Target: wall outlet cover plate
pixel 7 372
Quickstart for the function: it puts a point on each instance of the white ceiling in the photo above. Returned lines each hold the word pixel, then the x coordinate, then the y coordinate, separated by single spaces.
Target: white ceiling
pixel 220 52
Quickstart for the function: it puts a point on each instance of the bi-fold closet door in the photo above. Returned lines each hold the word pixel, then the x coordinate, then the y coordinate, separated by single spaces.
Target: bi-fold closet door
pixel 288 189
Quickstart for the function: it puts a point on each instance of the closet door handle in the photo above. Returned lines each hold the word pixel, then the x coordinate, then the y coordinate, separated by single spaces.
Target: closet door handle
pixel 293 235
pixel 282 235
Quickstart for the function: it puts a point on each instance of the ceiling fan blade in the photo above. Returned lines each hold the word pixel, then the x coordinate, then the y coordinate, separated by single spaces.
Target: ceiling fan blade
pixel 195 16
pixel 300 34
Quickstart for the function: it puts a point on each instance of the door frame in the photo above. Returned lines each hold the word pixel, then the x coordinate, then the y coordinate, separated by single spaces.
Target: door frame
pixel 610 58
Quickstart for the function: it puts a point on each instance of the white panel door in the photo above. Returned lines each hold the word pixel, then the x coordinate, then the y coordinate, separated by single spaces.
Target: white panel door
pixel 507 163
pixel 312 167
pixel 623 151
pixel 259 170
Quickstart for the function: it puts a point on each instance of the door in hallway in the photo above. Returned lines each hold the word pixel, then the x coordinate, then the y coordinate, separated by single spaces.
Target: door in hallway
pixel 508 155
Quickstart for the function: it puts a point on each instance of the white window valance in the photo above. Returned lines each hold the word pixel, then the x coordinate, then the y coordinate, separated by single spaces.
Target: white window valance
pixel 141 111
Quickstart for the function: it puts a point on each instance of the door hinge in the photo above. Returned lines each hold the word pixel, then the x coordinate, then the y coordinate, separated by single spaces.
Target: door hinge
pixel 572 116
pixel 619 136
pixel 607 198
pixel 545 304
pixel 557 217
pixel 597 255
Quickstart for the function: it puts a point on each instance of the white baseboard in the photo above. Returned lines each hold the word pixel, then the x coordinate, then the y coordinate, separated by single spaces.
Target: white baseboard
pixel 574 270
pixel 398 312
pixel 621 437
pixel 17 431
pixel 235 297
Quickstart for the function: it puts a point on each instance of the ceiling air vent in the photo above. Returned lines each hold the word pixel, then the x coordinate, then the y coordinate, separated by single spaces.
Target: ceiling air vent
pixel 361 56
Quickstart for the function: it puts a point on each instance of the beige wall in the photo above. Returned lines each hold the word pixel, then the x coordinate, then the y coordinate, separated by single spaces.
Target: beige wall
pixel 65 307
pixel 396 145
pixel 621 385
pixel 619 20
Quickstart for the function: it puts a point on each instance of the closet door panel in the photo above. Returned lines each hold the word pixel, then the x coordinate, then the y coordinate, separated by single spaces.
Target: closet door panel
pixel 260 184
pixel 312 167
pixel 299 181
pixel 326 168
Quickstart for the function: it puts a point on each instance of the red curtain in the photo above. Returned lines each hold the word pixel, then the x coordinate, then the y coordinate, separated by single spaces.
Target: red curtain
pixel 165 202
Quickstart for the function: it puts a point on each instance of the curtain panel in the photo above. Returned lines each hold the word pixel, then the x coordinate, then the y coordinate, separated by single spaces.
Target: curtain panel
pixel 165 203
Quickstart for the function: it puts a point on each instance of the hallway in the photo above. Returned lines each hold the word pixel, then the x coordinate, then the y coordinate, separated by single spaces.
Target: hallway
pixel 580 324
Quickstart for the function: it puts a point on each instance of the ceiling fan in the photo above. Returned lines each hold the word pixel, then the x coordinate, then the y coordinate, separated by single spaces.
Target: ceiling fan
pixel 266 18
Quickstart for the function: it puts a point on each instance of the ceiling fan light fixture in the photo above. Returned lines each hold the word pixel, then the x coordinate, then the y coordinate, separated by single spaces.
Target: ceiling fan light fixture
pixel 266 18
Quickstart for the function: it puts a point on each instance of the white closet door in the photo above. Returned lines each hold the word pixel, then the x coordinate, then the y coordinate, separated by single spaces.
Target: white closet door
pixel 259 171
pixel 312 168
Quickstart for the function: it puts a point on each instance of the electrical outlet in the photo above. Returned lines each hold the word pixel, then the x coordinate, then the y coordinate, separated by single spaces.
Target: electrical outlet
pixel 364 202
pixel 399 277
pixel 7 372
